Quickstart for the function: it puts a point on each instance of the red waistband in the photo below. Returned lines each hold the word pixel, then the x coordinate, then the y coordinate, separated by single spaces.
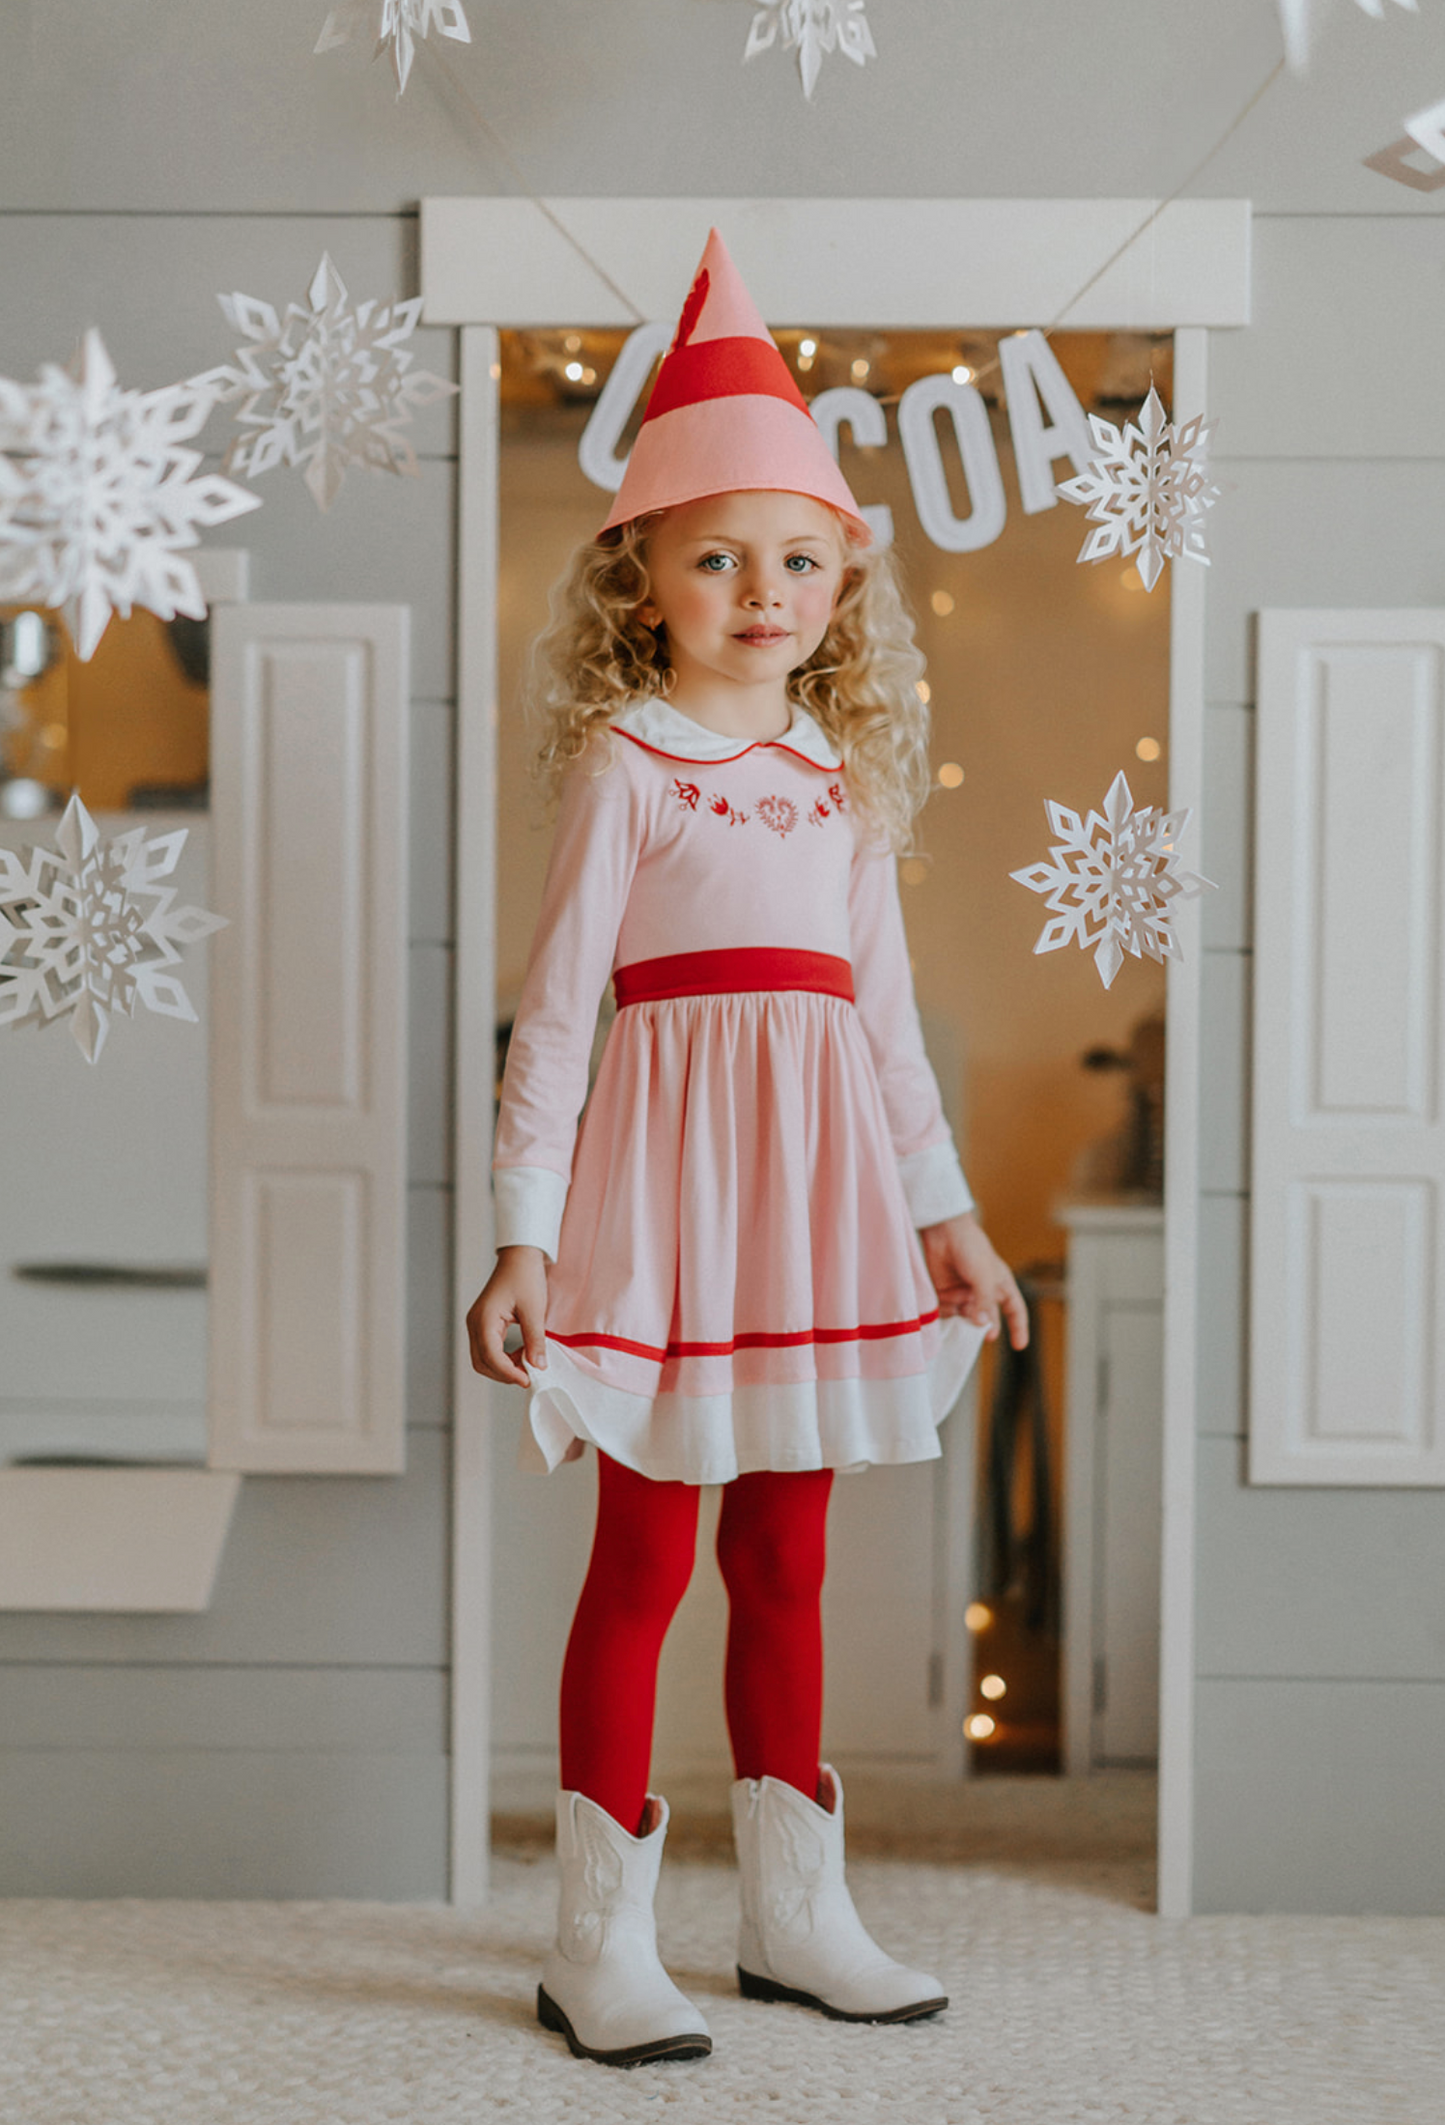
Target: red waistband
pixel 746 967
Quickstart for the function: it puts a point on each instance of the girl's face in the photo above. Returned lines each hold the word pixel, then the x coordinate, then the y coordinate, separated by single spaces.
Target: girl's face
pixel 745 585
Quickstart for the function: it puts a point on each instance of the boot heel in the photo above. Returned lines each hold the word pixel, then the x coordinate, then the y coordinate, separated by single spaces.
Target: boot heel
pixel 768 1988
pixel 550 2015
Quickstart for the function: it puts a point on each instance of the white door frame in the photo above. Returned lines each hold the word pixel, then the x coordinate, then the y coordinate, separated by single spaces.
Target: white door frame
pixel 492 263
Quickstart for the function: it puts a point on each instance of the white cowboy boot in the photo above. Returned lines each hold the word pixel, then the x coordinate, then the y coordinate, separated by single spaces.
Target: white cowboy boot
pixel 603 1987
pixel 802 1939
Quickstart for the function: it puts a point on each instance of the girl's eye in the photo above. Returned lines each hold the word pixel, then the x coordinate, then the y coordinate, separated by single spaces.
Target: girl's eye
pixel 805 561
pixel 716 564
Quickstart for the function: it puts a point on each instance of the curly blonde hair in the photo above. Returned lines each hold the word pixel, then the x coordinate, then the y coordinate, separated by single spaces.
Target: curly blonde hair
pixel 861 683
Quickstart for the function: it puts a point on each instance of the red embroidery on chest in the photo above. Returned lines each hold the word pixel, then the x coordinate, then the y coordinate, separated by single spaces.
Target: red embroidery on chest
pixel 835 792
pixel 779 813
pixel 724 810
pixel 819 813
pixel 687 792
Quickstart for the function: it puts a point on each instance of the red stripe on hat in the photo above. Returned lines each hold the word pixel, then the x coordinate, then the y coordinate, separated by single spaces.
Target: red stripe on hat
pixel 722 368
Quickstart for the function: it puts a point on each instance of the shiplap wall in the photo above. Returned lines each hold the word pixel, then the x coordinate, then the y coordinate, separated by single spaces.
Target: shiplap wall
pixel 1320 1707
pixel 292 1740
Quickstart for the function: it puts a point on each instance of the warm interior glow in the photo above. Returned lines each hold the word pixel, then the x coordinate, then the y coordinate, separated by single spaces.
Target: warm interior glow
pixel 913 871
pixel 1148 748
pixel 963 374
pixel 942 603
pixel 977 1616
pixel 979 1725
pixel 924 691
pixel 950 774
pixel 993 1687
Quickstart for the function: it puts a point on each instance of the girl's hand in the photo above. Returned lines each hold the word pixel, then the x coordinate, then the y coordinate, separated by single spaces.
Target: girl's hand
pixel 970 1278
pixel 516 1291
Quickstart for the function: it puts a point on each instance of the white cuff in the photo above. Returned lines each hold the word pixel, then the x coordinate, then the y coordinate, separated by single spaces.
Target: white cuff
pixel 530 1201
pixel 934 1185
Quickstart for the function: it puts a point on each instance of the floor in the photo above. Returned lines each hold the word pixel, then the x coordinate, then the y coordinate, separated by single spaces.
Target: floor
pixel 1072 2003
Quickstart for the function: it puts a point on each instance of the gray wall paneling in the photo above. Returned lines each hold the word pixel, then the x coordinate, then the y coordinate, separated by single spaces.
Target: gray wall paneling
pixel 292 1740
pixel 1320 1712
pixel 1319 1796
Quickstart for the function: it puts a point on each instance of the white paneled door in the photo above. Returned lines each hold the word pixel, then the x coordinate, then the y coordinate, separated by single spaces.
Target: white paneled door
pixel 308 1198
pixel 1347 1372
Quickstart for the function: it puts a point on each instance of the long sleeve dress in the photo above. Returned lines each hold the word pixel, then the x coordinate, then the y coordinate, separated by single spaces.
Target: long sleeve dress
pixel 735 1277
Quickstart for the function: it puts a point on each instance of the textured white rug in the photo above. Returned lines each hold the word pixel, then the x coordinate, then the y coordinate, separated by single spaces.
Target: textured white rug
pixel 1072 2006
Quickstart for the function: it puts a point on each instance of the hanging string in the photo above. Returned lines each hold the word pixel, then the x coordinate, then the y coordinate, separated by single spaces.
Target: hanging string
pixel 433 58
pixel 1148 224
pixel 441 70
pixel 1183 185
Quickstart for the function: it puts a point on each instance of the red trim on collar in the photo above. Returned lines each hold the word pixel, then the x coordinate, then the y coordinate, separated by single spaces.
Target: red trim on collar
pixel 728 758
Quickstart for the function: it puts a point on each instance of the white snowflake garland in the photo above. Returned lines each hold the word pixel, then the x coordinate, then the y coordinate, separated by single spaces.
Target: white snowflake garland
pixel 398 24
pixel 87 930
pixel 1147 489
pixel 324 386
pixel 99 497
pixel 813 29
pixel 1110 881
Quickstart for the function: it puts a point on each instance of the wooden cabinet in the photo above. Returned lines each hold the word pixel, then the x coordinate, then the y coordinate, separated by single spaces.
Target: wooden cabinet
pixel 1113 1468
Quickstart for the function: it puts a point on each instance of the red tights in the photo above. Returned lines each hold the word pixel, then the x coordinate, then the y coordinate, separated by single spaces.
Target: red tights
pixel 771 1550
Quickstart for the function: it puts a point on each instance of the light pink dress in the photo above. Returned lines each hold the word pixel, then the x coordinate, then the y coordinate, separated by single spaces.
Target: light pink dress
pixel 736 1280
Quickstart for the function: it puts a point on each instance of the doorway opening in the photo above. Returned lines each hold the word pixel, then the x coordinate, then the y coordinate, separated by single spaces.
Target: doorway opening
pixel 1045 679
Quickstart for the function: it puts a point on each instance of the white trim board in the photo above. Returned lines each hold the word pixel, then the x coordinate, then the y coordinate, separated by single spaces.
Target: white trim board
pixel 984 262
pixel 498 262
pixel 143 1540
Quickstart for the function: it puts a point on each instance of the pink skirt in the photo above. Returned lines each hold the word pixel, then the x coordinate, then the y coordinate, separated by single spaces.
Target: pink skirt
pixel 738 1282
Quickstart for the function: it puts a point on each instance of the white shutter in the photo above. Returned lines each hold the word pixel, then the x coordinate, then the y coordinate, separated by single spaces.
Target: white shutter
pixel 1347 1366
pixel 308 1132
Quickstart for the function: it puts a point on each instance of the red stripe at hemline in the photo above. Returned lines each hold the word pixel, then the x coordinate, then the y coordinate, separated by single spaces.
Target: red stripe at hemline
pixel 867 1332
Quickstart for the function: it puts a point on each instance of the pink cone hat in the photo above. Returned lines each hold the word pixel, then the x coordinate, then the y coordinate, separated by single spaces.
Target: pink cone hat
pixel 725 413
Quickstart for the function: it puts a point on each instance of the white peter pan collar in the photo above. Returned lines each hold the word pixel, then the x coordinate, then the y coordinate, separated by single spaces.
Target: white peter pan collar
pixel 656 723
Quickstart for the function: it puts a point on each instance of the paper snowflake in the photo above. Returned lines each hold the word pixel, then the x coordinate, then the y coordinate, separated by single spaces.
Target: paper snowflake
pixel 1110 879
pixel 324 386
pixel 87 929
pixel 1147 488
pixel 398 23
pixel 98 496
pixel 1296 19
pixel 812 29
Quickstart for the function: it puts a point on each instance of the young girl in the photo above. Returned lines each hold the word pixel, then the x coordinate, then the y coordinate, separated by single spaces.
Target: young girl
pixel 755 1263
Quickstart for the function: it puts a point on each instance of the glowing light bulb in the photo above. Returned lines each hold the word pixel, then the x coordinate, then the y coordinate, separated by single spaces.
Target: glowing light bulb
pixel 978 1726
pixel 993 1687
pixel 860 371
pixel 950 774
pixel 573 342
pixel 1148 748
pixel 942 603
pixel 977 1616
pixel 807 348
pixel 924 691
pixel 573 372
pixel 962 374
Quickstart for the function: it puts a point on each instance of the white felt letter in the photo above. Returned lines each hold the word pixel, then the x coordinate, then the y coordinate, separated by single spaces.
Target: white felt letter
pixel 597 451
pixel 1031 372
pixel 860 413
pixel 919 436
